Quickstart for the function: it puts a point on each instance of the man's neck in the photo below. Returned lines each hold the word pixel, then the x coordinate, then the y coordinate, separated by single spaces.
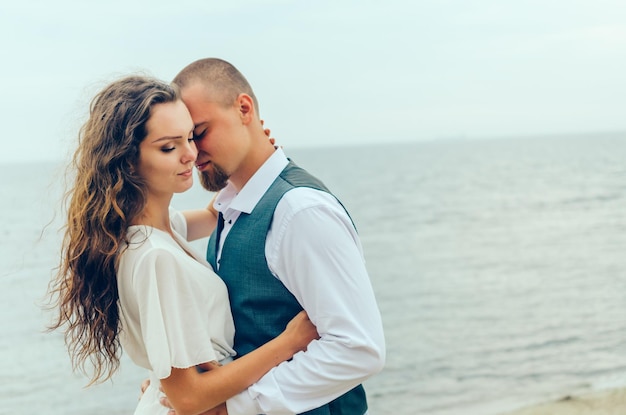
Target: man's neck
pixel 252 163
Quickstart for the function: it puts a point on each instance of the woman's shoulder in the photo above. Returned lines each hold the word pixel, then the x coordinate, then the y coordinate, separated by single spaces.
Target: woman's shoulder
pixel 178 222
pixel 148 250
pixel 143 241
pixel 140 237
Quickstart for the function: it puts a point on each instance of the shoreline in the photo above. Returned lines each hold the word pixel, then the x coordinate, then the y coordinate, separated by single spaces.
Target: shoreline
pixel 605 402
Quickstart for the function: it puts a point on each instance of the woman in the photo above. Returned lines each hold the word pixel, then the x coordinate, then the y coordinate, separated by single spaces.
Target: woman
pixel 128 277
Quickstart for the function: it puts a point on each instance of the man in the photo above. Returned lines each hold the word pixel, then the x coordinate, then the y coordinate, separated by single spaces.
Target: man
pixel 283 243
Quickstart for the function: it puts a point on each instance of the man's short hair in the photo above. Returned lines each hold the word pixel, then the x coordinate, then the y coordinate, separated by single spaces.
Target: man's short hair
pixel 223 81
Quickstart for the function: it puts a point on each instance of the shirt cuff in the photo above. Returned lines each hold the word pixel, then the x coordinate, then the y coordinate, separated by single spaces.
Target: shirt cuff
pixel 242 404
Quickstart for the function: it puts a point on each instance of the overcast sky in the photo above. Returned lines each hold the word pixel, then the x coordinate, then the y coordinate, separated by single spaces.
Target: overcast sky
pixel 326 72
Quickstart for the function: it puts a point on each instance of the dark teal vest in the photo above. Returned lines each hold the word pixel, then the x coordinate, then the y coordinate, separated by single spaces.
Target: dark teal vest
pixel 260 303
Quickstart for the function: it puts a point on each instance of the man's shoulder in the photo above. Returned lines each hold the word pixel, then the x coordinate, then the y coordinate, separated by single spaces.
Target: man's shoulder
pixel 301 198
pixel 296 176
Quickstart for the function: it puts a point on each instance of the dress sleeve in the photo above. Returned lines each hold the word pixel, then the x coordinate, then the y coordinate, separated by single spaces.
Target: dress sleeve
pixel 173 327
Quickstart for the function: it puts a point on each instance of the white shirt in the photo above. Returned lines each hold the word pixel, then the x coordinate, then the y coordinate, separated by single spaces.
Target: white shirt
pixel 314 250
pixel 166 296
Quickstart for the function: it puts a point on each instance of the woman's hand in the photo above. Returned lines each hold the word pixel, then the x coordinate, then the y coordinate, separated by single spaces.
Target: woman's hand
pixel 300 331
pixel 268 134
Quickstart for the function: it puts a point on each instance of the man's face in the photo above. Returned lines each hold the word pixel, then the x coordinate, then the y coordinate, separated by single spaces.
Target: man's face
pixel 219 135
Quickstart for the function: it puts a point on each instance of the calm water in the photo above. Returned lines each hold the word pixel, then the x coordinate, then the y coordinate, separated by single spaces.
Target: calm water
pixel 499 267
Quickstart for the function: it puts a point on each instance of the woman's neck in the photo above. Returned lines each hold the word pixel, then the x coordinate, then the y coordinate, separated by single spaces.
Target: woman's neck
pixel 156 214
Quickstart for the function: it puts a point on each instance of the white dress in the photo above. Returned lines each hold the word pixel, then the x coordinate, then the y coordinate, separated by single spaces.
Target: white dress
pixel 174 309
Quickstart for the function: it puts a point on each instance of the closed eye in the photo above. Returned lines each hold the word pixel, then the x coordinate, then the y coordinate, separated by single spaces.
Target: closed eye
pixel 199 136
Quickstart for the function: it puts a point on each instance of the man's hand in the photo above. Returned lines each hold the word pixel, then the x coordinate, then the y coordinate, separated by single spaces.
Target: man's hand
pixel 218 410
pixel 144 386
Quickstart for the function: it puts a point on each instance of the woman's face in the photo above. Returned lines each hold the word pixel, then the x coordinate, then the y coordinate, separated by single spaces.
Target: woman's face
pixel 167 154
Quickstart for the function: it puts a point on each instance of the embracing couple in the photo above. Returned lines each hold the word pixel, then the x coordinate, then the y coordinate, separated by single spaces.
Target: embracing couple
pixel 279 318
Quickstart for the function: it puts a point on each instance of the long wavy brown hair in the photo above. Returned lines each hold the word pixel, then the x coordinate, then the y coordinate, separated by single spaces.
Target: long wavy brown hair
pixel 105 196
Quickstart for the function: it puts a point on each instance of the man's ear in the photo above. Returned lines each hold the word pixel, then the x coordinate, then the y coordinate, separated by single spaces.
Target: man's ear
pixel 246 108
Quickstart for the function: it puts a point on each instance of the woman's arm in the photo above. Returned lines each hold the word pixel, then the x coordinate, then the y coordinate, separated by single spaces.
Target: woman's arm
pixel 201 222
pixel 190 392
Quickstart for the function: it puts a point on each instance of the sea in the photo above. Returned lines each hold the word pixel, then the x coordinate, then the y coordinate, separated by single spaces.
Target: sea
pixel 499 267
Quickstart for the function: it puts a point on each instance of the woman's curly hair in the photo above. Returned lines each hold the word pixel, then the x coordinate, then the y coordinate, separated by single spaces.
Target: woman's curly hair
pixel 105 197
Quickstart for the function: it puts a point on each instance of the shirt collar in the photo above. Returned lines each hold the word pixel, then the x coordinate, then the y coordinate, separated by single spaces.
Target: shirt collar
pixel 247 198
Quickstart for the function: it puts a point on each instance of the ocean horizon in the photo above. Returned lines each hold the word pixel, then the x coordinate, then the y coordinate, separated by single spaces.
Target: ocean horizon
pixel 498 266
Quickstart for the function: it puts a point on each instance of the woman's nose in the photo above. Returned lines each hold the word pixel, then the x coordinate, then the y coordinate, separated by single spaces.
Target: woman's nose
pixel 191 152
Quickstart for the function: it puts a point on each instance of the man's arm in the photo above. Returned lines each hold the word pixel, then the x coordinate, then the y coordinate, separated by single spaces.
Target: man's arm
pixel 315 251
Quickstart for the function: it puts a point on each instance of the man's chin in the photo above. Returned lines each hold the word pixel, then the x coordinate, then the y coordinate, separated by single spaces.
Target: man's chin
pixel 214 180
